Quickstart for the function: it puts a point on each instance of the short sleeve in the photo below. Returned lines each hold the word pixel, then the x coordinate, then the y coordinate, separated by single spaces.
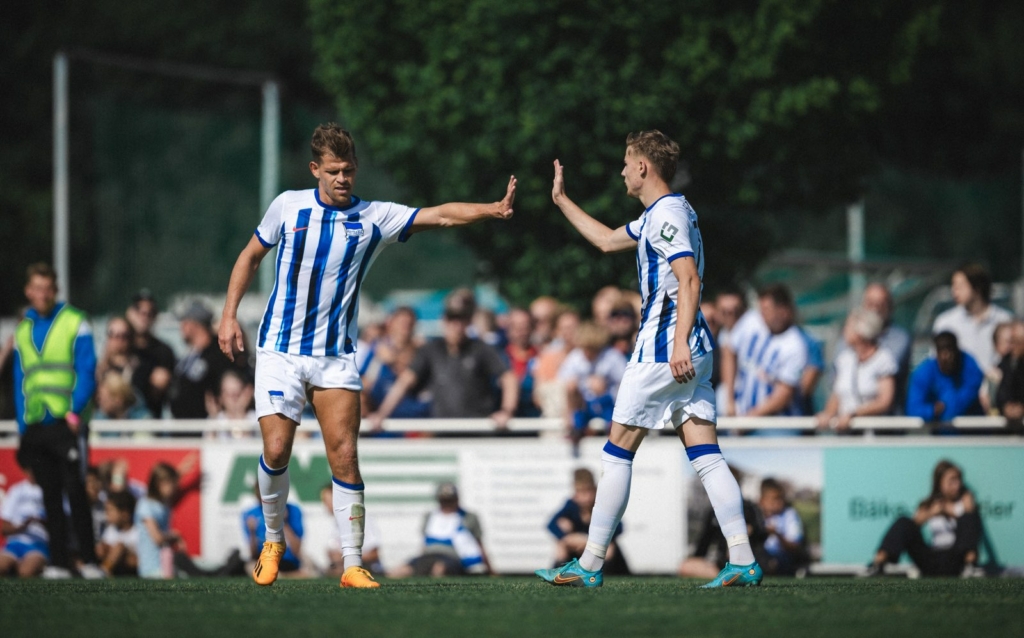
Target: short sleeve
pixel 109 535
pixel 269 230
pixel 570 368
pixel 792 527
pixel 394 221
pixel 633 229
pixel 887 365
pixel 7 506
pixel 143 511
pixel 668 231
pixel 793 356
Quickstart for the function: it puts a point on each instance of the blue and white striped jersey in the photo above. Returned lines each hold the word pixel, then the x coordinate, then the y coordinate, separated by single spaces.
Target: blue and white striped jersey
pixel 666 231
pixel 764 359
pixel 323 255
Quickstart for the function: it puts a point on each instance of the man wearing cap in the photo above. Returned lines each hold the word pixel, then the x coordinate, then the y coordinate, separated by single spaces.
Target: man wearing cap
pixel 198 373
pixel 152 377
pixel 459 371
pixel 54 380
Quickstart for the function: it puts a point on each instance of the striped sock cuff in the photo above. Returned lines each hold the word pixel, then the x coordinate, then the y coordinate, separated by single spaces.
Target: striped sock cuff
pixel 618 452
pixel 266 468
pixel 695 452
pixel 355 487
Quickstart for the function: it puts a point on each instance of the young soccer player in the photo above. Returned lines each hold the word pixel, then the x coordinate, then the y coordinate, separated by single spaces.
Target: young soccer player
pixel 668 379
pixel 327 239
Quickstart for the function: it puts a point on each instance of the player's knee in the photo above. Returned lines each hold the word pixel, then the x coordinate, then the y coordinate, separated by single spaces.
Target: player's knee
pixel 276 452
pixel 342 453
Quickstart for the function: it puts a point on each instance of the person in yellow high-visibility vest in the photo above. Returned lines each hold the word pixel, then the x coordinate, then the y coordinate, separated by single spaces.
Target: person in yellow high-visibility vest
pixel 54 381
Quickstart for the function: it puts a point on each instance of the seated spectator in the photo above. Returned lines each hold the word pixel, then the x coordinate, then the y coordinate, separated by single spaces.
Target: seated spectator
pixel 543 310
pixel 391 355
pixel 254 530
pixel 197 375
pixel 974 318
pixel 950 515
pixel 548 391
pixel 234 400
pixel 452 541
pixel 116 399
pixel 460 373
pixel 117 549
pixel 23 524
pixel 784 550
pixel 571 523
pixel 622 327
pixel 1002 342
pixel 371 541
pixel 1010 394
pixel 520 353
pixel 764 357
pixel 711 552
pixel 945 386
pixel 118 356
pixel 152 376
pixel 865 374
pixel 591 374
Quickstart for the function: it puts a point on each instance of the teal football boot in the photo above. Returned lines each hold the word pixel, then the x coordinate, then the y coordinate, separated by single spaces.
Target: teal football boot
pixel 572 575
pixel 737 576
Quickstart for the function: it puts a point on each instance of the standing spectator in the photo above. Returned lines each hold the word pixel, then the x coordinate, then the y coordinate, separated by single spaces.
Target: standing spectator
pixel 865 374
pixel 764 357
pixel 893 338
pixel 152 376
pixel 119 545
pixel 729 306
pixel 452 541
pixel 950 514
pixel 459 371
pixel 945 386
pixel 784 546
pixel 591 374
pixel 974 318
pixel 54 380
pixel 1010 394
pixel 521 352
pixel 254 530
pixel 197 375
pixel 22 522
pixel 544 311
pixel 118 356
pixel 548 391
pixel 570 524
pixel 602 304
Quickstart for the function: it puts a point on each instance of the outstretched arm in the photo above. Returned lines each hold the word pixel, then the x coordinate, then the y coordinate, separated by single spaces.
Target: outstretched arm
pixel 604 238
pixel 459 214
pixel 241 276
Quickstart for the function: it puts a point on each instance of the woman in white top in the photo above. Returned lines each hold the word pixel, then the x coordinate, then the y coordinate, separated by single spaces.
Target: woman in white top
pixel 950 514
pixel 865 374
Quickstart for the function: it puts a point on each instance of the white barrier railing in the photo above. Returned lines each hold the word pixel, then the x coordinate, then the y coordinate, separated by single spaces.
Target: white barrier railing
pixel 523 425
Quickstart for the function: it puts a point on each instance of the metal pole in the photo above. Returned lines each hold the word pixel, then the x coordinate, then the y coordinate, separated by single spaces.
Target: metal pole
pixel 60 175
pixel 269 167
pixel 855 250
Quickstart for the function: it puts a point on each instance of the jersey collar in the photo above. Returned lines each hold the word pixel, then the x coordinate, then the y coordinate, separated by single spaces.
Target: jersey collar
pixel 648 209
pixel 355 202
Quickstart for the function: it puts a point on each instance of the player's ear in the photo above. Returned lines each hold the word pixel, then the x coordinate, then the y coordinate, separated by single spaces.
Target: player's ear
pixel 314 168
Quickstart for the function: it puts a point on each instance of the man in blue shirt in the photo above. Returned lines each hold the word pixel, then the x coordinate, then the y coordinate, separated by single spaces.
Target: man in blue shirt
pixel 945 386
pixel 54 380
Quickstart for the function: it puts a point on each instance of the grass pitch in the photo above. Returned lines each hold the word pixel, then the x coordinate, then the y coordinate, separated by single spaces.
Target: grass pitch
pixel 513 607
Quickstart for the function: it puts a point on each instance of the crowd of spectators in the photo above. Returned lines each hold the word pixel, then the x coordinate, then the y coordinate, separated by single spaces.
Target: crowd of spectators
pixel 550 360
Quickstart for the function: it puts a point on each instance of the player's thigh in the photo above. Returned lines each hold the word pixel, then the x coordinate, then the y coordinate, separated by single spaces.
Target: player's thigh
pixel 697 431
pixel 627 437
pixel 278 435
pixel 338 411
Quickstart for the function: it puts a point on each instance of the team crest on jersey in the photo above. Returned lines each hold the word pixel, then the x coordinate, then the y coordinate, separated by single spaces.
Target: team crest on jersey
pixel 353 229
pixel 668 232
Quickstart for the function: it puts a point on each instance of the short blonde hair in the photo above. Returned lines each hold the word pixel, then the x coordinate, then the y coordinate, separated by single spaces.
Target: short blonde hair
pixel 658 148
pixel 592 335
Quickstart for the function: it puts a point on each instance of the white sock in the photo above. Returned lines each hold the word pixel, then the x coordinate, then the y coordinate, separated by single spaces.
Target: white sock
pixel 612 497
pixel 274 486
pixel 726 499
pixel 350 515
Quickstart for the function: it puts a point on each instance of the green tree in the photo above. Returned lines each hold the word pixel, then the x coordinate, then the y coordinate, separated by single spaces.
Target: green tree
pixel 768 101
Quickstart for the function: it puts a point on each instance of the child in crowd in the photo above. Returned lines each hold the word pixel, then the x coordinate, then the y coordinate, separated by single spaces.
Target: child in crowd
pixel 784 546
pixel 156 539
pixel 118 547
pixel 22 517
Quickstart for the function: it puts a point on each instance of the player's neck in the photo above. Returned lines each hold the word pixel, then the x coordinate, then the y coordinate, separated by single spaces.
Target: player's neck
pixel 325 198
pixel 652 191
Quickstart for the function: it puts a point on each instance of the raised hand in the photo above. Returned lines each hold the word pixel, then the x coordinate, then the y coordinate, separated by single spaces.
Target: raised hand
pixel 558 186
pixel 505 205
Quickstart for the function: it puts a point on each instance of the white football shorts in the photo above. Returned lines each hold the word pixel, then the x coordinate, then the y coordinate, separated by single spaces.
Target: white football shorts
pixel 282 380
pixel 649 397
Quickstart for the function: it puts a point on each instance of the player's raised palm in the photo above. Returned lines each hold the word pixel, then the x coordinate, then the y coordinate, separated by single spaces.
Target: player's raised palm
pixel 505 205
pixel 558 186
